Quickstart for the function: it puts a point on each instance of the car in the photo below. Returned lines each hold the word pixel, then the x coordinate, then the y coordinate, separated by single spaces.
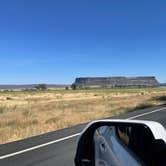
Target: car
pixel 119 142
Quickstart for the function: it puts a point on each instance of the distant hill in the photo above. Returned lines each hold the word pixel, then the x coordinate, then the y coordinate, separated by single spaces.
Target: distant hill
pixel 31 86
pixel 163 84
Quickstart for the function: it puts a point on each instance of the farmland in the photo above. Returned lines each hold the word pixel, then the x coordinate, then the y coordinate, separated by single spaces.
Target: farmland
pixel 28 113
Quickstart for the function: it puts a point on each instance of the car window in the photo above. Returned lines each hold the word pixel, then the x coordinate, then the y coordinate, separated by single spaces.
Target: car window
pixel 137 140
pixel 102 130
pixel 123 134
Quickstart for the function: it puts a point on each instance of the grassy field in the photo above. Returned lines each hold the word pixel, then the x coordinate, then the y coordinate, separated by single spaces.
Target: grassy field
pixel 25 114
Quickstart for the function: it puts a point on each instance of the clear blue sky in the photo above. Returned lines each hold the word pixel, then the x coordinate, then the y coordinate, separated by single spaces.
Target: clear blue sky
pixel 54 41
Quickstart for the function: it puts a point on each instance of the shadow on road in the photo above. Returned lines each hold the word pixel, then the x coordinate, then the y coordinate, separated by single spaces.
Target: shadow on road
pixel 160 98
pixel 149 103
pixel 140 107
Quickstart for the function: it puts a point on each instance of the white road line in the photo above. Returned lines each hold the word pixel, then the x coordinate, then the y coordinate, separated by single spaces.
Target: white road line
pixel 65 138
pixel 38 146
pixel 147 113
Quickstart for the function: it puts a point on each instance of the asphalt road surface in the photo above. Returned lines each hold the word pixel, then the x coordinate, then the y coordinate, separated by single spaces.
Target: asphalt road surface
pixel 58 148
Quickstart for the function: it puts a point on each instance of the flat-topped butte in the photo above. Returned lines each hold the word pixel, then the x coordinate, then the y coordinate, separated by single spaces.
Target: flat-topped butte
pixel 99 82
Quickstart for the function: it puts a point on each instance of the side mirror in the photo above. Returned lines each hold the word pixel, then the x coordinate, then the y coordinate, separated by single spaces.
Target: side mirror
pixel 121 142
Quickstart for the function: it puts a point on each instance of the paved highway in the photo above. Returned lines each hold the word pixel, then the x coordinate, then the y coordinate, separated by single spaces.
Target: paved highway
pixel 58 148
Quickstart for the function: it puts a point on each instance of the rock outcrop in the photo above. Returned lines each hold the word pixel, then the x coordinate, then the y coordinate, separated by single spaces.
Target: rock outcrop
pixel 98 82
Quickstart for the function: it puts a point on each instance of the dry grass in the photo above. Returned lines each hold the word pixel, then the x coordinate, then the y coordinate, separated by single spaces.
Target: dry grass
pixel 24 114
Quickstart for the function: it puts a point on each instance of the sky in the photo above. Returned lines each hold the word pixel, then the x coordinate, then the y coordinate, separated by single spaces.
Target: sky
pixel 55 41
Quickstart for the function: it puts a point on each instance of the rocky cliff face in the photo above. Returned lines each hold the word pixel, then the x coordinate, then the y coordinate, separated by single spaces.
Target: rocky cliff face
pixel 117 81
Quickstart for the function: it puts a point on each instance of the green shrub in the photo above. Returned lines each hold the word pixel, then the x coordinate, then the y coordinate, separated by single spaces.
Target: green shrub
pixel 51 120
pixel 8 98
pixel 2 110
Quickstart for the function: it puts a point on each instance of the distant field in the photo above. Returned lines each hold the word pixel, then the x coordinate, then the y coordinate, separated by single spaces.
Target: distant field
pixel 25 114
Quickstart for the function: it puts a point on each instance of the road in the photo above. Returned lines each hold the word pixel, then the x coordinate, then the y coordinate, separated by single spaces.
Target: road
pixel 58 148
